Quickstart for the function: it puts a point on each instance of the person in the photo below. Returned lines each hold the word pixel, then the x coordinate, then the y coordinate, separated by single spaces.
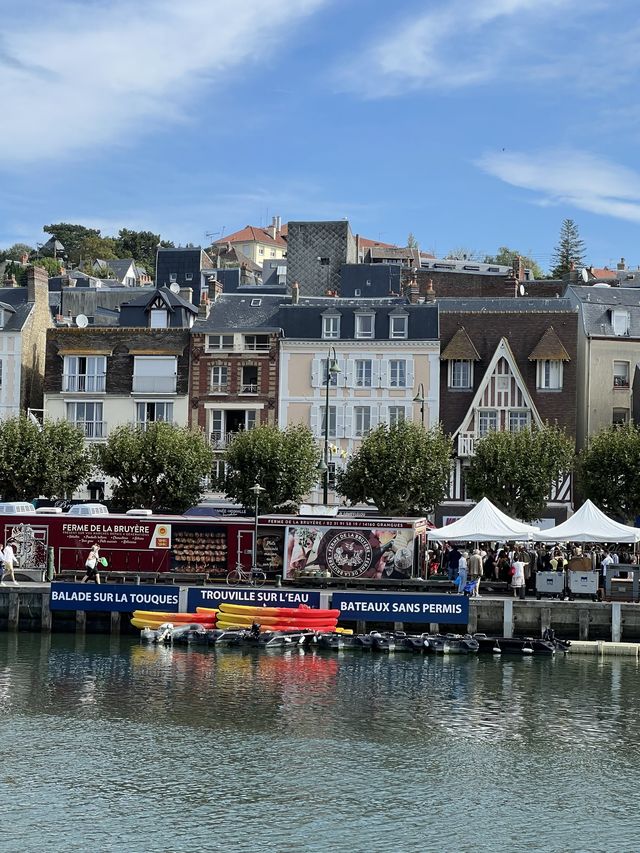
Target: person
pixel 606 561
pixel 461 580
pixel 475 571
pixel 9 559
pixel 517 578
pixel 454 563
pixel 91 566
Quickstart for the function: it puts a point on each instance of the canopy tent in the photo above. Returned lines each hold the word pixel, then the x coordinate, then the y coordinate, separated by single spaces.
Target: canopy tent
pixel 485 523
pixel 589 524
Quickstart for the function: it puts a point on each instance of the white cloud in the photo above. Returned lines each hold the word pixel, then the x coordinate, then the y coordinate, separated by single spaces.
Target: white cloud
pixel 81 75
pixel 567 176
pixel 467 42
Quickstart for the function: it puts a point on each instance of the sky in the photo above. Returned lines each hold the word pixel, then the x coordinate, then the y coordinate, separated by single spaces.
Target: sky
pixel 469 123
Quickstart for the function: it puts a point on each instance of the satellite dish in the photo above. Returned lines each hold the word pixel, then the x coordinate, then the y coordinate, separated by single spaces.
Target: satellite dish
pixel 584 274
pixel 174 287
pixel 521 290
pixel 82 321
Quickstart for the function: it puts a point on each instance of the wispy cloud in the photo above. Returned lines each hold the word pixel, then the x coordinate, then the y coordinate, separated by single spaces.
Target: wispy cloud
pixel 105 72
pixel 462 43
pixel 566 176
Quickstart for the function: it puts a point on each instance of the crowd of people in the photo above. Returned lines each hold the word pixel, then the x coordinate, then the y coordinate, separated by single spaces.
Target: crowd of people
pixel 517 565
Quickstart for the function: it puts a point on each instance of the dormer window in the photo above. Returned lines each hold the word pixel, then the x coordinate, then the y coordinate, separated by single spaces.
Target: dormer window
pixel 365 325
pixel 331 327
pixel 398 326
pixel 620 322
pixel 158 318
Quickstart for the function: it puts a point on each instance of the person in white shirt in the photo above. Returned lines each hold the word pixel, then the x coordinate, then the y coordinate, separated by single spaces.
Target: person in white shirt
pixel 9 559
pixel 461 580
pixel 91 566
pixel 517 579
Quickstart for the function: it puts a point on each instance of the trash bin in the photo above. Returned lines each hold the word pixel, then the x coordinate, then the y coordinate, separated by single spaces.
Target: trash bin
pixel 549 583
pixel 584 583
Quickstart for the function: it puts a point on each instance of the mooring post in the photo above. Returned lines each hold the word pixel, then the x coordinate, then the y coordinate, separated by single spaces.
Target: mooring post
pixel 14 610
pixel 616 622
pixel 45 612
pixel 507 618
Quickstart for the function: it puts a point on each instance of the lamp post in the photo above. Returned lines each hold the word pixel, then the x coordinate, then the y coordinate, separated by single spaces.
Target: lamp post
pixel 323 465
pixel 419 398
pixel 257 491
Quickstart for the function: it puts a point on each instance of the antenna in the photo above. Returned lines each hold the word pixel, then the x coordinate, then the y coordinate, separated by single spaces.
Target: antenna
pixel 174 287
pixel 82 321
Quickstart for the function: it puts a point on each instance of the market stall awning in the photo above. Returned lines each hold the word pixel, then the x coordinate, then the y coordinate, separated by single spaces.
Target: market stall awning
pixel 590 524
pixel 485 523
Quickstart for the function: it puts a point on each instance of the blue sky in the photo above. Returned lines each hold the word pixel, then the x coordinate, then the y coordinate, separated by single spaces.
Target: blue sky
pixel 474 123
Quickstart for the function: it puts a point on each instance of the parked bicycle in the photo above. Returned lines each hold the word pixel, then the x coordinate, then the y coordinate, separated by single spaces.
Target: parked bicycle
pixel 254 577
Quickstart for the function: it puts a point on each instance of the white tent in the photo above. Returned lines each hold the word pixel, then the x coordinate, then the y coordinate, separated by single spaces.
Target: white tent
pixel 485 523
pixel 589 524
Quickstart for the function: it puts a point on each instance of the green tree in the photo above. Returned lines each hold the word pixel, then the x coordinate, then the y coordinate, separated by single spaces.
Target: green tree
pixel 516 470
pixel 608 471
pixel 49 461
pixel 507 257
pixel 17 271
pixel 51 265
pixel 81 243
pixel 160 467
pixel 281 461
pixel 15 252
pixel 412 243
pixel 402 469
pixel 141 246
pixel 569 252
pixel 464 253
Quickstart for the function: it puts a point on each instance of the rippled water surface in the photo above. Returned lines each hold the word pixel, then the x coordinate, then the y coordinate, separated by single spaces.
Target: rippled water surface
pixel 109 745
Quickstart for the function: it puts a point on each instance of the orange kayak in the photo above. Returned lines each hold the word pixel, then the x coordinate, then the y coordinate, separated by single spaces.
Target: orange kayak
pixel 305 613
pixel 158 616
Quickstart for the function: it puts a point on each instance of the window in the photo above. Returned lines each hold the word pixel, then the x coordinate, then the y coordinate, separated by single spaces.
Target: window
pixel 398 325
pixel 324 262
pixel 261 251
pixel 256 303
pixel 333 377
pixel 88 418
pixel 158 318
pixel 250 419
pixel 363 373
pixel 620 374
pixel 84 373
pixel 331 327
pixel 620 417
pixel 331 475
pixel 549 375
pixel 620 322
pixel 249 383
pixel 256 343
pixel 219 342
pixel 518 420
pixel 272 253
pixel 332 421
pixel 397 373
pixel 487 421
pixel 188 276
pixel 218 379
pixel 154 374
pixel 396 415
pixel 362 417
pixel 173 276
pixel 364 325
pixel 460 373
pixel 149 412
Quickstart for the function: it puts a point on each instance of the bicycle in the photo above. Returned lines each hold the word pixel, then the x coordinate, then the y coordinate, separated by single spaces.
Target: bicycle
pixel 254 577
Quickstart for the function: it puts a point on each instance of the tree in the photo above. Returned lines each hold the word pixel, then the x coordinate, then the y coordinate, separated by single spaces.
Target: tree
pixel 281 461
pixel 515 470
pixel 463 253
pixel 15 252
pixel 160 467
pixel 51 265
pixel 81 243
pixel 569 252
pixel 141 246
pixel 402 469
pixel 412 243
pixel 507 257
pixel 608 471
pixel 51 461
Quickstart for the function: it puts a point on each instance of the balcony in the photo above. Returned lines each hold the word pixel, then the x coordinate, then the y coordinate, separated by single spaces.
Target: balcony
pixel 218 389
pixel 249 388
pixel 83 383
pixel 92 429
pixel 466 444
pixel 154 384
pixel 219 440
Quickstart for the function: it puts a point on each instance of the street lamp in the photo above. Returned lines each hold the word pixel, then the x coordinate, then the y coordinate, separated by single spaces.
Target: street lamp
pixel 419 398
pixel 257 491
pixel 323 465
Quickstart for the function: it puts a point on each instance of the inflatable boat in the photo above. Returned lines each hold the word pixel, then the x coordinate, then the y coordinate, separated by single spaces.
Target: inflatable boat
pixel 452 644
pixel 515 645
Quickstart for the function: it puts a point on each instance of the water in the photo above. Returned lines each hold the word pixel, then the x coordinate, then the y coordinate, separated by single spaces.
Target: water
pixel 107 745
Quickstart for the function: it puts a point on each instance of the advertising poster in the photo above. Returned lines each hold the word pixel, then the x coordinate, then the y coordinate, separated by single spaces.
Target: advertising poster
pixel 349 552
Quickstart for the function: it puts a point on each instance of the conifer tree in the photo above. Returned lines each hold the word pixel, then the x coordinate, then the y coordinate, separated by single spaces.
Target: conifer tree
pixel 569 253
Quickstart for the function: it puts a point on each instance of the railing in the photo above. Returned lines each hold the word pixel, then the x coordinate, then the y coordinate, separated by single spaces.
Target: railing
pixel 218 389
pixel 154 384
pixel 83 382
pixel 466 444
pixel 219 440
pixel 250 388
pixel 92 429
pixel 256 346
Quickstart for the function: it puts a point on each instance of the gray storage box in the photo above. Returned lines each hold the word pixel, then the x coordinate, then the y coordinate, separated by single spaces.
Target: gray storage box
pixel 549 583
pixel 583 583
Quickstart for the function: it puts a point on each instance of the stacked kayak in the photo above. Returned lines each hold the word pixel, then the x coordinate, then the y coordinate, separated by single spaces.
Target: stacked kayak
pixel 274 618
pixel 154 619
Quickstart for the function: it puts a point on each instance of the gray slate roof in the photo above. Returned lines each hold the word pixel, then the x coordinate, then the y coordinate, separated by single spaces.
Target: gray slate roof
pixel 303 321
pixel 595 308
pixel 17 307
pixel 234 312
pixel 171 299
pixel 119 266
pixel 504 305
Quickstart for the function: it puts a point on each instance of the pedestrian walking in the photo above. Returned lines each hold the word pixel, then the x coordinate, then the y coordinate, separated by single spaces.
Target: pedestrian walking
pixel 517 576
pixel 461 580
pixel 9 559
pixel 475 571
pixel 91 566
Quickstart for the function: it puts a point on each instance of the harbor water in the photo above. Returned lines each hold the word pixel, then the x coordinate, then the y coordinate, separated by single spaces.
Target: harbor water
pixel 109 745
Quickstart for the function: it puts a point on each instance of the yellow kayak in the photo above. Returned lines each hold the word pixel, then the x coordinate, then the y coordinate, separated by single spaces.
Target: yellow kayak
pixel 306 613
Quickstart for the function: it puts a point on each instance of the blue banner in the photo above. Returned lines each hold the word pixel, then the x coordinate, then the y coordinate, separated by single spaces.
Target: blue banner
pixel 212 596
pixel 391 607
pixel 112 597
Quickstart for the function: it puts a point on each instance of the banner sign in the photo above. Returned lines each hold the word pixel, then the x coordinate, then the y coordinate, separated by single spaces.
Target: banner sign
pixel 391 607
pixel 213 596
pixel 349 552
pixel 113 597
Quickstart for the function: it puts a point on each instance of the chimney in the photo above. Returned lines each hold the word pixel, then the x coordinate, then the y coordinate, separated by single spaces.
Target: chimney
pixel 518 268
pixel 187 293
pixel 430 294
pixel 295 293
pixel 37 285
pixel 511 283
pixel 277 221
pixel 271 231
pixel 413 290
pixel 215 288
pixel 204 307
pixel 10 281
pixel 622 265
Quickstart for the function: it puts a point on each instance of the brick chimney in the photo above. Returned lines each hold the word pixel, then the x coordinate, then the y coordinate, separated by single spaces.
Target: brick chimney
pixel 413 290
pixel 215 288
pixel 622 265
pixel 430 294
pixel 10 281
pixel 295 293
pixel 37 285
pixel 518 268
pixel 187 293
pixel 204 307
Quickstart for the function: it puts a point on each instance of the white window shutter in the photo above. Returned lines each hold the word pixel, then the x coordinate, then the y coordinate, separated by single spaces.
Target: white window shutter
pixel 348 421
pixel 410 373
pixel 349 373
pixel 315 419
pixel 376 373
pixel 315 372
pixel 342 376
pixel 374 417
pixel 339 421
pixel 384 372
pixel 384 413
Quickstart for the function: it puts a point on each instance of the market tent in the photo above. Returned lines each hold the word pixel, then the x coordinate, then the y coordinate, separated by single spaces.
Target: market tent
pixel 485 523
pixel 589 524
